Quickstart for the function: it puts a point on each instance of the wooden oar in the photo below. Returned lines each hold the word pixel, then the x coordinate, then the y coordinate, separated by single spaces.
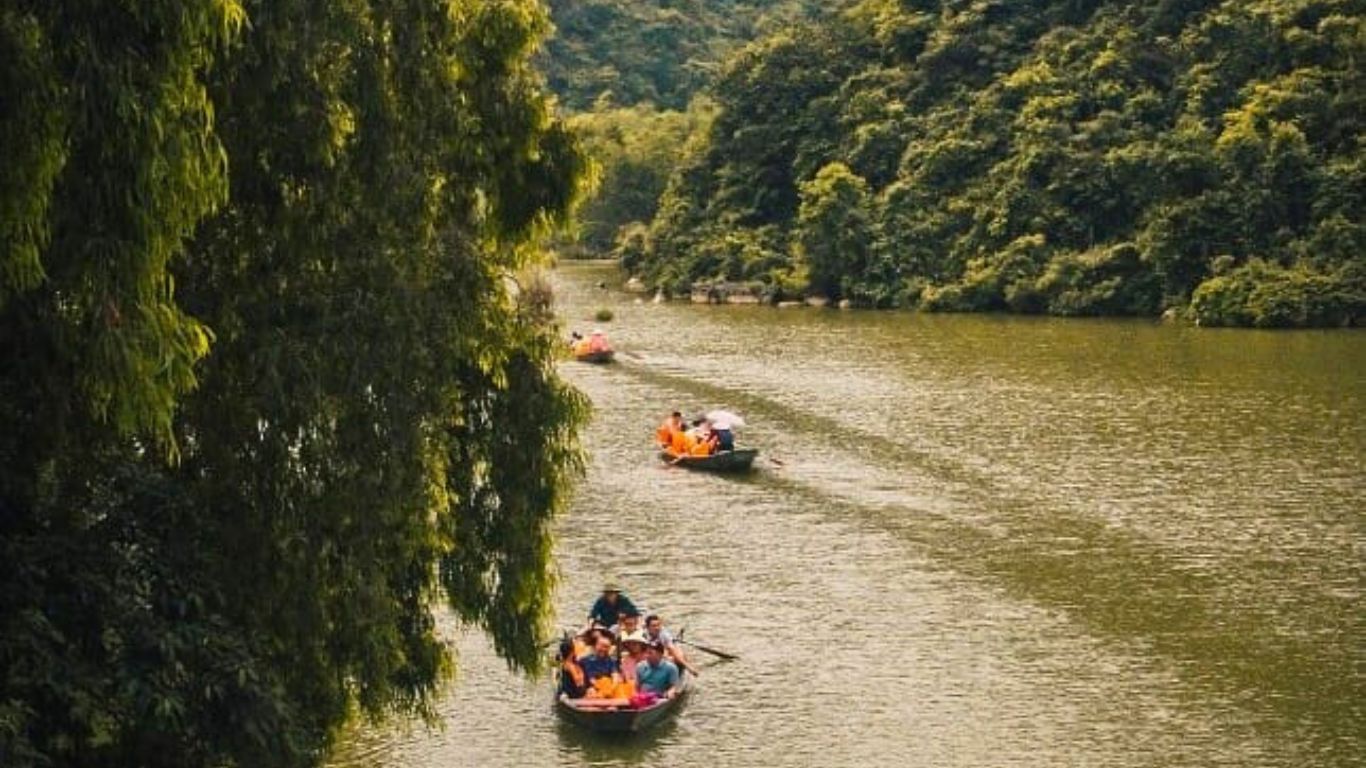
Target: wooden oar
pixel 705 649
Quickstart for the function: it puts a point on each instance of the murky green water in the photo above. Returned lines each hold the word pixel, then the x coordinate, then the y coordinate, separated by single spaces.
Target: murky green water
pixel 971 541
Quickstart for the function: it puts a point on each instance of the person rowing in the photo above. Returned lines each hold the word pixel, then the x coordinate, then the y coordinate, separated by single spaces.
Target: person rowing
pixel 607 609
pixel 656 633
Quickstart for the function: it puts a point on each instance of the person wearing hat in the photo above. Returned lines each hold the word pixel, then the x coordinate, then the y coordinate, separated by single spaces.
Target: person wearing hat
pixel 607 609
pixel 633 653
pixel 656 674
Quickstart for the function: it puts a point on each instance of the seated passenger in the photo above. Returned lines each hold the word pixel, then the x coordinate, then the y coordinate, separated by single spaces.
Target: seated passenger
pixel 679 446
pixel 725 438
pixel 633 653
pixel 601 664
pixel 573 681
pixel 585 642
pixel 673 425
pixel 656 674
pixel 702 441
pixel 630 622
pixel 710 442
pixel 597 342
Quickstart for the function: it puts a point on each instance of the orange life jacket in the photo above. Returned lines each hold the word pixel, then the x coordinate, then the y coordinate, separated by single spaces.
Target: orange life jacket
pixel 575 671
pixel 678 443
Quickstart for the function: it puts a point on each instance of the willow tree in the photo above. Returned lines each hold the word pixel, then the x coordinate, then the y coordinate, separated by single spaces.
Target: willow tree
pixel 214 555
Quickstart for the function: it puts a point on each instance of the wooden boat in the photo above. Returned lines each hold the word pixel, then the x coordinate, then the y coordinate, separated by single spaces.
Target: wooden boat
pixel 624 720
pixel 600 357
pixel 724 461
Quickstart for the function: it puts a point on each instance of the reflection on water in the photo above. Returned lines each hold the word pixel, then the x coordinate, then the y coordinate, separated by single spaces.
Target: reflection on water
pixel 971 541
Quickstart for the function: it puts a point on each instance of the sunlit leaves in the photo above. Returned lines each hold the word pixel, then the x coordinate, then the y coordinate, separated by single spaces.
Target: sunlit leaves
pixel 368 421
pixel 1184 132
pixel 116 161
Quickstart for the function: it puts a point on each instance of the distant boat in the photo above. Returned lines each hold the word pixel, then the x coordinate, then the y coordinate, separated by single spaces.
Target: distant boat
pixel 624 720
pixel 600 357
pixel 722 461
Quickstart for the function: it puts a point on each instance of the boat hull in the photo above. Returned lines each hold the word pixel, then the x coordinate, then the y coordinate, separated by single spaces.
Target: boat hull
pixel 596 357
pixel 625 720
pixel 725 461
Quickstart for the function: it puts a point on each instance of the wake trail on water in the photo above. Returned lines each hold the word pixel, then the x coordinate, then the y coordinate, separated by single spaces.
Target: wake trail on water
pixel 1056 552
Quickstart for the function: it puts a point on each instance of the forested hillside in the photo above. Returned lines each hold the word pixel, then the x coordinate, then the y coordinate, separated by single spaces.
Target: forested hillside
pixel 1057 156
pixel 628 70
pixel 655 51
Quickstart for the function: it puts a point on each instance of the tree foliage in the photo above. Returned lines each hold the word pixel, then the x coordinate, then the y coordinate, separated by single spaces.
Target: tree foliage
pixel 831 236
pixel 1049 156
pixel 272 241
pixel 635 149
pixel 659 52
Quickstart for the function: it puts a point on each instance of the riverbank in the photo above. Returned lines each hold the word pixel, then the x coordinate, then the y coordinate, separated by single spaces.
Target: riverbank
pixel 1257 296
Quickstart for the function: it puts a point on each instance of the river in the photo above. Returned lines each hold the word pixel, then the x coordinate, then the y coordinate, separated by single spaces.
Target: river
pixel 969 541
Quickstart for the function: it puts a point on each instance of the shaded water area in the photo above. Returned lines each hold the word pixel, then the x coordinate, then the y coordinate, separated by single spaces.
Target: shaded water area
pixel 970 541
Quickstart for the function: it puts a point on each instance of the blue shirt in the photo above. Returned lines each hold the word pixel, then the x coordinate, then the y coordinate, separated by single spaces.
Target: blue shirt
pixel 657 679
pixel 725 440
pixel 594 667
pixel 606 614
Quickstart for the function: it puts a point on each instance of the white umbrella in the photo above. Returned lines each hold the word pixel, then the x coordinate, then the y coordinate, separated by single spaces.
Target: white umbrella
pixel 725 419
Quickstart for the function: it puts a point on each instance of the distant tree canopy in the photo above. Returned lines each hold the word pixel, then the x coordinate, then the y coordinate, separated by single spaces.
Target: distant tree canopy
pixel 267 398
pixel 1042 156
pixel 629 70
pixel 635 149
pixel 659 52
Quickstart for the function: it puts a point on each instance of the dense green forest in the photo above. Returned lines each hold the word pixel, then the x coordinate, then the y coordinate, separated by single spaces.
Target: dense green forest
pixel 628 70
pixel 269 397
pixel 659 52
pixel 1063 156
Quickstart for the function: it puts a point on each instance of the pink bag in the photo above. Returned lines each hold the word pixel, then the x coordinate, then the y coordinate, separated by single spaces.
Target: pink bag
pixel 644 700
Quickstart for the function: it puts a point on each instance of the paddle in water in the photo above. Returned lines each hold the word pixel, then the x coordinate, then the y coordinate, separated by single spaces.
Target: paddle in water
pixel 705 649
